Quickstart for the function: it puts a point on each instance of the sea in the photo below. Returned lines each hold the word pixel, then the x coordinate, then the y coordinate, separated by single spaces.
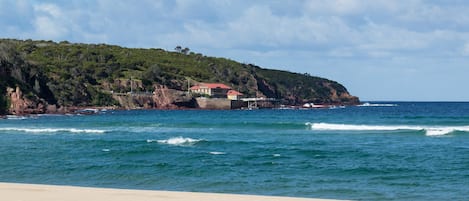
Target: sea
pixel 375 151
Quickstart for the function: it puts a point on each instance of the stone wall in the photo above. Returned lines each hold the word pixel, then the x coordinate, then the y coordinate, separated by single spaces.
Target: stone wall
pixel 214 103
pixel 219 104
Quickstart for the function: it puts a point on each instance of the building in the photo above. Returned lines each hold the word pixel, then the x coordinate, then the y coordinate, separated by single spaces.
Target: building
pixel 216 90
pixel 234 95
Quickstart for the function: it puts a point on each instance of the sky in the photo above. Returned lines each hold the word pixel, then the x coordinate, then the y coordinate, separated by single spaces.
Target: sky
pixel 387 50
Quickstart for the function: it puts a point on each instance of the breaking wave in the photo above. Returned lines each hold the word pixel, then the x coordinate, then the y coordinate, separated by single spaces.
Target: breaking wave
pixel 15 117
pixel 53 130
pixel 217 153
pixel 429 130
pixel 377 105
pixel 177 141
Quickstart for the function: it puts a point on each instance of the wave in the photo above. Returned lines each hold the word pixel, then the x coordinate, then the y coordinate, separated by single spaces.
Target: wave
pixel 377 105
pixel 177 141
pixel 15 117
pixel 53 130
pixel 217 153
pixel 429 130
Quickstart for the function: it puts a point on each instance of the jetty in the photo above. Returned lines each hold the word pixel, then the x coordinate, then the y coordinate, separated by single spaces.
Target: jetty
pixel 255 103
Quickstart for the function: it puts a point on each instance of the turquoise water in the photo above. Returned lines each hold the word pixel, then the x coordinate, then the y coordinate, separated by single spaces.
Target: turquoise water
pixel 397 151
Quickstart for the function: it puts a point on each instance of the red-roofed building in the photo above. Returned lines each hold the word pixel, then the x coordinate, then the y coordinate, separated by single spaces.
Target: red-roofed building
pixel 234 95
pixel 215 90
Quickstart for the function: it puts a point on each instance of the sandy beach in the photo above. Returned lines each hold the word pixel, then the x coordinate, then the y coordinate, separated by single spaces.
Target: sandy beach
pixel 33 192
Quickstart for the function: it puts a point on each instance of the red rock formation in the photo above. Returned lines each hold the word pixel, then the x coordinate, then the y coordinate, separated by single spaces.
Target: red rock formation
pixel 19 104
pixel 165 98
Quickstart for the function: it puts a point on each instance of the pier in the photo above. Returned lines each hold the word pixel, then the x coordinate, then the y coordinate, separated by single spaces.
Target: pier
pixel 255 103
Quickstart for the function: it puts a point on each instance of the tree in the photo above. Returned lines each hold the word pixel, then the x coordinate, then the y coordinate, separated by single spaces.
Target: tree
pixel 185 50
pixel 178 49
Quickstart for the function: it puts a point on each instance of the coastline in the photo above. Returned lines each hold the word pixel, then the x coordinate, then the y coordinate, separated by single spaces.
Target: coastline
pixel 89 110
pixel 37 192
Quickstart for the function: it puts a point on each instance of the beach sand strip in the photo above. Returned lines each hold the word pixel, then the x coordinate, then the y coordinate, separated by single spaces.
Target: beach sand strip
pixel 34 192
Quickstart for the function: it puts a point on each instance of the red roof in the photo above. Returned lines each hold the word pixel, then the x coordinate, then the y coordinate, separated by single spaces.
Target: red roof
pixel 234 93
pixel 211 86
pixel 195 87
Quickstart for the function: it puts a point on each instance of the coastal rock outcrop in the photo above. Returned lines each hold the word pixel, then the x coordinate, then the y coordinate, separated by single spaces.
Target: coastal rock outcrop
pixel 166 98
pixel 134 101
pixel 19 104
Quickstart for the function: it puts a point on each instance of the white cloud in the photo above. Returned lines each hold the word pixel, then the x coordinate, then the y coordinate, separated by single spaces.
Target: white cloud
pixel 48 9
pixel 385 37
pixel 49 21
pixel 258 27
pixel 48 28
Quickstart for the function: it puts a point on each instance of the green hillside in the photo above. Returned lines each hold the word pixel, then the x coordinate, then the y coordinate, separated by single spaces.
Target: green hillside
pixel 68 74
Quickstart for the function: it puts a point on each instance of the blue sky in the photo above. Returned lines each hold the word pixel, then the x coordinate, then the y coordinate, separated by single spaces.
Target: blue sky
pixel 411 50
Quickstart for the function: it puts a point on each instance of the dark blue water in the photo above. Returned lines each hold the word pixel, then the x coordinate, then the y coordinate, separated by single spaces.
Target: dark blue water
pixel 398 151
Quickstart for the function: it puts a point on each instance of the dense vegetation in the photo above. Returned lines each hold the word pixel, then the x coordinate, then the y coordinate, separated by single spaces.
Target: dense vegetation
pixel 84 74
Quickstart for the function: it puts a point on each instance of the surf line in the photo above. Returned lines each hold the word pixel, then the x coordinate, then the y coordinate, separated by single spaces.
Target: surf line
pixel 429 130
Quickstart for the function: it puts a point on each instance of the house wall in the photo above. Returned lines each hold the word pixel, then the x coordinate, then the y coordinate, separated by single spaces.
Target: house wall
pixel 202 91
pixel 233 97
pixel 212 92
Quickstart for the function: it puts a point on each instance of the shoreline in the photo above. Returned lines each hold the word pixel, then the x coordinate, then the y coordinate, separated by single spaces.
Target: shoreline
pixel 40 192
pixel 89 110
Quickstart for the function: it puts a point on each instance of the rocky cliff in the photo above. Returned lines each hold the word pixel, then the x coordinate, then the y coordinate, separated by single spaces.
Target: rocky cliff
pixel 45 76
pixel 166 98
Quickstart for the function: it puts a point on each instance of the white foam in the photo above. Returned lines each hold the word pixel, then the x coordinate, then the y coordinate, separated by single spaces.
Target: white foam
pixel 216 153
pixel 276 155
pixel 429 130
pixel 15 117
pixel 435 131
pixel 377 105
pixel 438 131
pixel 177 141
pixel 53 130
pixel 49 115
pixel 105 150
pixel 352 127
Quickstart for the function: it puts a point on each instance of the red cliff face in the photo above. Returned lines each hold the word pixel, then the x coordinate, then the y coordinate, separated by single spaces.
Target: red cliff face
pixel 19 104
pixel 165 98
